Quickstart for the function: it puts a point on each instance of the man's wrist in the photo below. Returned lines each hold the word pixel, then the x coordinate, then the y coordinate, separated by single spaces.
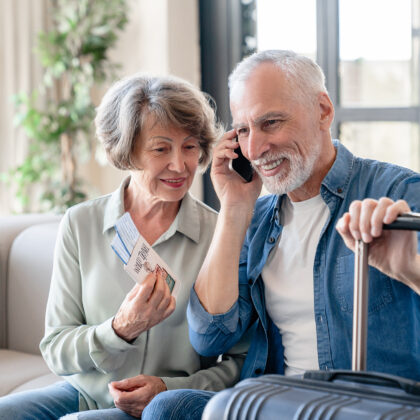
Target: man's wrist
pixel 416 275
pixel 239 216
pixel 412 276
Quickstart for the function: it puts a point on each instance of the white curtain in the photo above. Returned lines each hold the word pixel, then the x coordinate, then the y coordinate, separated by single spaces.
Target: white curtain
pixel 20 22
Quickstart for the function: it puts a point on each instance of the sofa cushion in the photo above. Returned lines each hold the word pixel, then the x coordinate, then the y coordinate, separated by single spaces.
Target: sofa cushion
pixel 29 275
pixel 10 227
pixel 20 371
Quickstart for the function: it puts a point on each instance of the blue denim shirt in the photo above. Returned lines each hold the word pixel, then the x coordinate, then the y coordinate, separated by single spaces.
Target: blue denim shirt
pixel 394 309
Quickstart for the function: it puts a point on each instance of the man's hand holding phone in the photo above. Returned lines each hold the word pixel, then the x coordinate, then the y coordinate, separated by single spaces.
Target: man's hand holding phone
pixel 230 187
pixel 241 165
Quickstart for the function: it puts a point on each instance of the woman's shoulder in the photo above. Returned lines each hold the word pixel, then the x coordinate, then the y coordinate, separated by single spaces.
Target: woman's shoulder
pixel 90 215
pixel 95 205
pixel 203 209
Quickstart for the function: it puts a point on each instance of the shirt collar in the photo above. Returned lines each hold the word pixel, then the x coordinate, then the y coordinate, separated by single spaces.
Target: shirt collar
pixel 186 222
pixel 115 206
pixel 338 177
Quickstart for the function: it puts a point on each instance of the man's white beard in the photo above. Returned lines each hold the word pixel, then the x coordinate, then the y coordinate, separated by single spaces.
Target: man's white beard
pixel 300 170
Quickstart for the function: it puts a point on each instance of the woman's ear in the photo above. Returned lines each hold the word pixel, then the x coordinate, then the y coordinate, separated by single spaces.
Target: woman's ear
pixel 326 111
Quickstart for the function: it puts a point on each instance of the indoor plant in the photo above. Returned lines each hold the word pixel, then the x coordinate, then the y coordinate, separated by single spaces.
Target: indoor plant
pixel 57 118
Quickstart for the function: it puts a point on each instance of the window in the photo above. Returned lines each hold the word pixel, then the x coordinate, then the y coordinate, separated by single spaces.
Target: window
pixel 369 51
pixel 287 25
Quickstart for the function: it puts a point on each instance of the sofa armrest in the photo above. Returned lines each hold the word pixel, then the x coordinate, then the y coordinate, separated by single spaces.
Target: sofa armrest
pixel 10 228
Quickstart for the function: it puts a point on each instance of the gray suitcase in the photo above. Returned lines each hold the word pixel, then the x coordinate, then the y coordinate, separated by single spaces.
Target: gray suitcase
pixel 335 394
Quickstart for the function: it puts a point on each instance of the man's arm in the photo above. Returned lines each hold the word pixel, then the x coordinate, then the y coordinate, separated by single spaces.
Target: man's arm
pixel 394 252
pixel 217 283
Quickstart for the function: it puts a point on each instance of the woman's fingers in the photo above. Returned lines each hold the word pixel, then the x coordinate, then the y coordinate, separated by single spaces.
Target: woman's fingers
pixel 146 288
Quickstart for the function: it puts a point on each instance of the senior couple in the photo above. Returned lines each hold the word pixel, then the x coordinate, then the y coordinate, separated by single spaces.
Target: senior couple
pixel 279 266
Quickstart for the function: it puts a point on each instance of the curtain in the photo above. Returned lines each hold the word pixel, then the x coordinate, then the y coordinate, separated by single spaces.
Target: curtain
pixel 20 22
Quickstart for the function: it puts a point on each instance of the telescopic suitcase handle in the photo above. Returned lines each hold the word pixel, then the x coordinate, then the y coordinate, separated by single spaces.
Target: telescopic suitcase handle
pixel 407 221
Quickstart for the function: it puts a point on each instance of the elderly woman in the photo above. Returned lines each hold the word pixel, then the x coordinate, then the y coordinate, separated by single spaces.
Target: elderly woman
pixel 115 342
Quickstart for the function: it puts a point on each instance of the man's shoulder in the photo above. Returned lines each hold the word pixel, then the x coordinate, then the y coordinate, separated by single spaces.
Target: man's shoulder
pixel 203 206
pixel 378 165
pixel 385 176
pixel 366 166
pixel 362 177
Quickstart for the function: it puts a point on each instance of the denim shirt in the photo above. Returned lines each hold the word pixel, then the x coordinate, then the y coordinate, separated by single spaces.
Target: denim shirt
pixel 393 309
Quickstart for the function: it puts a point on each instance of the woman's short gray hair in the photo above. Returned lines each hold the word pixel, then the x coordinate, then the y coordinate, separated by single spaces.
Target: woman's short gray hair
pixel 125 107
pixel 305 75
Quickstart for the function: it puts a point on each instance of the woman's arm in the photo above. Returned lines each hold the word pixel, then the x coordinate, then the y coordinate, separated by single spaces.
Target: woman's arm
pixel 69 345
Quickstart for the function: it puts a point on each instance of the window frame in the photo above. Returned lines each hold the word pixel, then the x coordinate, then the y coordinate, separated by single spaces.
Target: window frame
pixel 328 56
pixel 223 28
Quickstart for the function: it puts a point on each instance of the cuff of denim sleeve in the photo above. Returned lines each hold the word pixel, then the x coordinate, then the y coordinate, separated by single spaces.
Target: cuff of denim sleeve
pixel 200 320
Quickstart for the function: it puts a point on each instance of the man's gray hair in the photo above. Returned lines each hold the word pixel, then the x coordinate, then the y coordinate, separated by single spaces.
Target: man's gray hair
pixel 173 102
pixel 304 74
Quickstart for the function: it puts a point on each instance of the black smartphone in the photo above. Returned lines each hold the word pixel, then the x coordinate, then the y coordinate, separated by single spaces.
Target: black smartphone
pixel 241 165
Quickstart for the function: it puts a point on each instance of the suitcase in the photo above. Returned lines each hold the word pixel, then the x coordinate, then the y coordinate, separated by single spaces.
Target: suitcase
pixel 324 395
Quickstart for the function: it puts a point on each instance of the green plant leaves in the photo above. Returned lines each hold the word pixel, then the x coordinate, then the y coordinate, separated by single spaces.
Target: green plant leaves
pixel 57 118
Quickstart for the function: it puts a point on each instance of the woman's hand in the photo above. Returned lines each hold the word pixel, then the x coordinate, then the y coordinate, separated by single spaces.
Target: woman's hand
pixel 145 305
pixel 230 188
pixel 394 252
pixel 133 394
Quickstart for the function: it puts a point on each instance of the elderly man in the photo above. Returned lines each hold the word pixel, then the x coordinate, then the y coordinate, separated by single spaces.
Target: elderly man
pixel 280 264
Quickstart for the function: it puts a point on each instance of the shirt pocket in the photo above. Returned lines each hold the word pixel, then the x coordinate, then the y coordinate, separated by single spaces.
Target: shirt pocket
pixel 380 288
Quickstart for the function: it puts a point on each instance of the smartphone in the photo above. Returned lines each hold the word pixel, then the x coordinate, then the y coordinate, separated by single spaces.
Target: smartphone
pixel 241 165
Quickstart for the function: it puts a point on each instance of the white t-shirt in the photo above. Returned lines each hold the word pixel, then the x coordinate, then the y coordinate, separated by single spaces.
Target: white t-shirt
pixel 288 281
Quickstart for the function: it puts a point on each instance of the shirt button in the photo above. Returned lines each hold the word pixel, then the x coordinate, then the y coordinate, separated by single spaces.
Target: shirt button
pixel 271 240
pixel 258 371
pixel 250 282
pixel 339 190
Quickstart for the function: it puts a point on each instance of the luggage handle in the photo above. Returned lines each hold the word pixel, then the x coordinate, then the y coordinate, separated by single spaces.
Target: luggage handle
pixel 371 378
pixel 406 221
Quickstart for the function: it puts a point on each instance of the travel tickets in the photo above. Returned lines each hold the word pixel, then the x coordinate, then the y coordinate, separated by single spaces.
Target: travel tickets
pixel 138 256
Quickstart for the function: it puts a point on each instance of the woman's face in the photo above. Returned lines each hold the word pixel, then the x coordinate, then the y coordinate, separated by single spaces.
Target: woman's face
pixel 167 159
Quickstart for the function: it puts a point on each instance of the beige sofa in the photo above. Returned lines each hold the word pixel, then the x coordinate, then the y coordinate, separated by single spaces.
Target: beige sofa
pixel 26 253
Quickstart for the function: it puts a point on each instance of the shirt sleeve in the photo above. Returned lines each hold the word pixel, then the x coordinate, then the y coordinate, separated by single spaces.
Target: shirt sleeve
pixel 224 373
pixel 211 335
pixel 69 345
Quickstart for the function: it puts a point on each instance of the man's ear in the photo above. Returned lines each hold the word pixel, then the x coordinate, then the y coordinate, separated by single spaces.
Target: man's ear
pixel 326 111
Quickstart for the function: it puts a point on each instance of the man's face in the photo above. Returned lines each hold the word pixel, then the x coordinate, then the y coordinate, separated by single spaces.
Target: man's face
pixel 277 129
